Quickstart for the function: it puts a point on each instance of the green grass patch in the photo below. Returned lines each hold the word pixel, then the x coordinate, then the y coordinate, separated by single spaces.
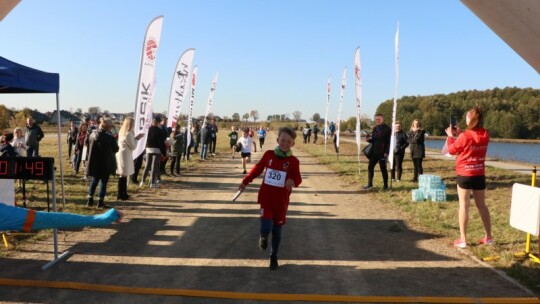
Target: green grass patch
pixel 442 218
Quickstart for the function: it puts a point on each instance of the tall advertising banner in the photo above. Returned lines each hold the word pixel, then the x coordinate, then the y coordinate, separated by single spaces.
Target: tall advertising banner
pixel 338 122
pixel 190 114
pixel 326 115
pixel 210 98
pixel 358 93
pixel 393 138
pixel 179 86
pixel 147 80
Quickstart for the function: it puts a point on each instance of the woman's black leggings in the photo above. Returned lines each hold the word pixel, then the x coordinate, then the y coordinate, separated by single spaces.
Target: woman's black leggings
pixel 417 167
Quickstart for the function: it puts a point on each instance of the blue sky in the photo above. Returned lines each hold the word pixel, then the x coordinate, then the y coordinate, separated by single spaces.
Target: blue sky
pixel 272 56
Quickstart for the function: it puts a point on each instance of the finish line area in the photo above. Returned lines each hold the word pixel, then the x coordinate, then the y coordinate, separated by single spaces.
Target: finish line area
pixel 256 296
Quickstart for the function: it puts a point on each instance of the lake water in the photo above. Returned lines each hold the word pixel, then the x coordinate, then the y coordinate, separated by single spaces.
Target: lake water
pixel 525 153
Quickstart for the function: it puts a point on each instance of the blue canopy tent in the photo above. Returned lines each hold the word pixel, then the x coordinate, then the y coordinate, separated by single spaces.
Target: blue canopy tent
pixel 16 78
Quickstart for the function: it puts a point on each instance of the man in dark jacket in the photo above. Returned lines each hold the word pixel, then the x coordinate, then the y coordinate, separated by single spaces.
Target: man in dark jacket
pixel 206 138
pixel 33 136
pixel 380 139
pixel 155 148
pixel 101 161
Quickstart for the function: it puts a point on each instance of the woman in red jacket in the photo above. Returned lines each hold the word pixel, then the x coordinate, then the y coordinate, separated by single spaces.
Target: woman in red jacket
pixel 470 147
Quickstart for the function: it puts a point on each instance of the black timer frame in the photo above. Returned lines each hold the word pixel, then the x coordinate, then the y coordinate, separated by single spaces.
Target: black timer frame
pixel 28 168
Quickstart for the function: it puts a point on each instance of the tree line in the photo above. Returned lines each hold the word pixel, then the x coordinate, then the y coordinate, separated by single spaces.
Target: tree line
pixel 508 113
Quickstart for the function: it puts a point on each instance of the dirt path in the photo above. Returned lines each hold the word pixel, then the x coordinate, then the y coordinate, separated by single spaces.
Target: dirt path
pixel 189 235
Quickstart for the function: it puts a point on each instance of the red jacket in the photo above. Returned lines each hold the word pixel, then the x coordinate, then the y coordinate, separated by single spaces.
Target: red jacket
pixel 278 170
pixel 470 147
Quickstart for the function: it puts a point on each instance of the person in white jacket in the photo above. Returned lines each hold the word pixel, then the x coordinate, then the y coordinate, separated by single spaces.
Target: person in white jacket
pixel 127 142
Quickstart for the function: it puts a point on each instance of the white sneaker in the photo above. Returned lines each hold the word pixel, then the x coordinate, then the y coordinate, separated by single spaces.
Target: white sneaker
pixel 141 184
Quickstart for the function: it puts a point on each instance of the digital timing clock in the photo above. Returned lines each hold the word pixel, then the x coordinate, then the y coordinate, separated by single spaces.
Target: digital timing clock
pixel 40 168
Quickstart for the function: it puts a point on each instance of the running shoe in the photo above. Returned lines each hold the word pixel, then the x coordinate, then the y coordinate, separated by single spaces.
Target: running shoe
pixel 486 241
pixel 459 243
pixel 273 263
pixel 367 187
pixel 263 242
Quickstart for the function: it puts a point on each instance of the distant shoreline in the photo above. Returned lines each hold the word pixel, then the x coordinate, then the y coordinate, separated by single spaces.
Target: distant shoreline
pixel 507 140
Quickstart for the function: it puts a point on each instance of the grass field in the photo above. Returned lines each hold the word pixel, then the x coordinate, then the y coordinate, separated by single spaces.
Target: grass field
pixel 436 218
pixel 442 218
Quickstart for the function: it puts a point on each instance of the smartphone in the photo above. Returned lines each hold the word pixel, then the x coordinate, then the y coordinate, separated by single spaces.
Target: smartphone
pixel 453 122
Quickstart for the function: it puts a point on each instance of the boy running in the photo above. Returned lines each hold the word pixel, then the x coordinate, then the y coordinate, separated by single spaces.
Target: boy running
pixel 282 174
pixel 233 138
pixel 246 141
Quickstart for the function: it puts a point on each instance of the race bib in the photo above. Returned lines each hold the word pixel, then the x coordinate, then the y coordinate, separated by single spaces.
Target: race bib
pixel 275 178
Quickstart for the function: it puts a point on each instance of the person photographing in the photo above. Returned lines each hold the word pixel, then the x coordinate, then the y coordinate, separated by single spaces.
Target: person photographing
pixel 470 146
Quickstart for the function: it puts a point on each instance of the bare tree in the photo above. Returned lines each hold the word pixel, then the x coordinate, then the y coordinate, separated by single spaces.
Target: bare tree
pixel 254 114
pixel 297 115
pixel 316 117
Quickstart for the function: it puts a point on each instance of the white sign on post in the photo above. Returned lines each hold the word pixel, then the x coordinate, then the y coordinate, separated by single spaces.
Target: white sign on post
pixel 525 208
pixel 7 192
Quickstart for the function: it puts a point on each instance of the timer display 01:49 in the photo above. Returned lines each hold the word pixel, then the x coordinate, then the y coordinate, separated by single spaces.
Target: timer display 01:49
pixel 40 168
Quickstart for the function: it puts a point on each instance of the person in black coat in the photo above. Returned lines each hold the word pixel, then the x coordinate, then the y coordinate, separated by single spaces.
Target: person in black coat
pixel 206 137
pixel 399 151
pixel 380 139
pixel 155 150
pixel 101 161
pixel 6 149
pixel 416 137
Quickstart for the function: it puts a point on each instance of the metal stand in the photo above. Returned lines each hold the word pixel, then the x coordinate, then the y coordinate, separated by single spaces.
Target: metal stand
pixel 527 254
pixel 66 254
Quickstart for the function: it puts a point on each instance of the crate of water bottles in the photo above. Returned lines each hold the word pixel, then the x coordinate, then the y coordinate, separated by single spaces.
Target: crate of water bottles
pixel 431 187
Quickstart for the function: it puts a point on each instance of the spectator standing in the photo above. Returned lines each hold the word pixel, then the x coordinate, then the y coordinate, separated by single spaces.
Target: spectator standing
pixel 79 147
pixel 195 138
pixel 33 136
pixel 212 127
pixel 471 148
pixel 155 148
pixel 315 131
pixel 101 161
pixel 166 133
pixel 206 138
pixel 19 143
pixel 127 143
pixel 176 150
pixel 6 148
pixel 380 139
pixel 399 151
pixel 416 139
pixel 71 138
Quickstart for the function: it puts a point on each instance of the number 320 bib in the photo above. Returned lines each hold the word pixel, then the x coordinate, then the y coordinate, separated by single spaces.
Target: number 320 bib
pixel 275 178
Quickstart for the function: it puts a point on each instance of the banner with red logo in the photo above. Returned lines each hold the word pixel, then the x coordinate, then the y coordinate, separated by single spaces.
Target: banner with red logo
pixel 210 98
pixel 342 92
pixel 190 113
pixel 147 80
pixel 326 115
pixel 394 110
pixel 179 86
pixel 358 91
